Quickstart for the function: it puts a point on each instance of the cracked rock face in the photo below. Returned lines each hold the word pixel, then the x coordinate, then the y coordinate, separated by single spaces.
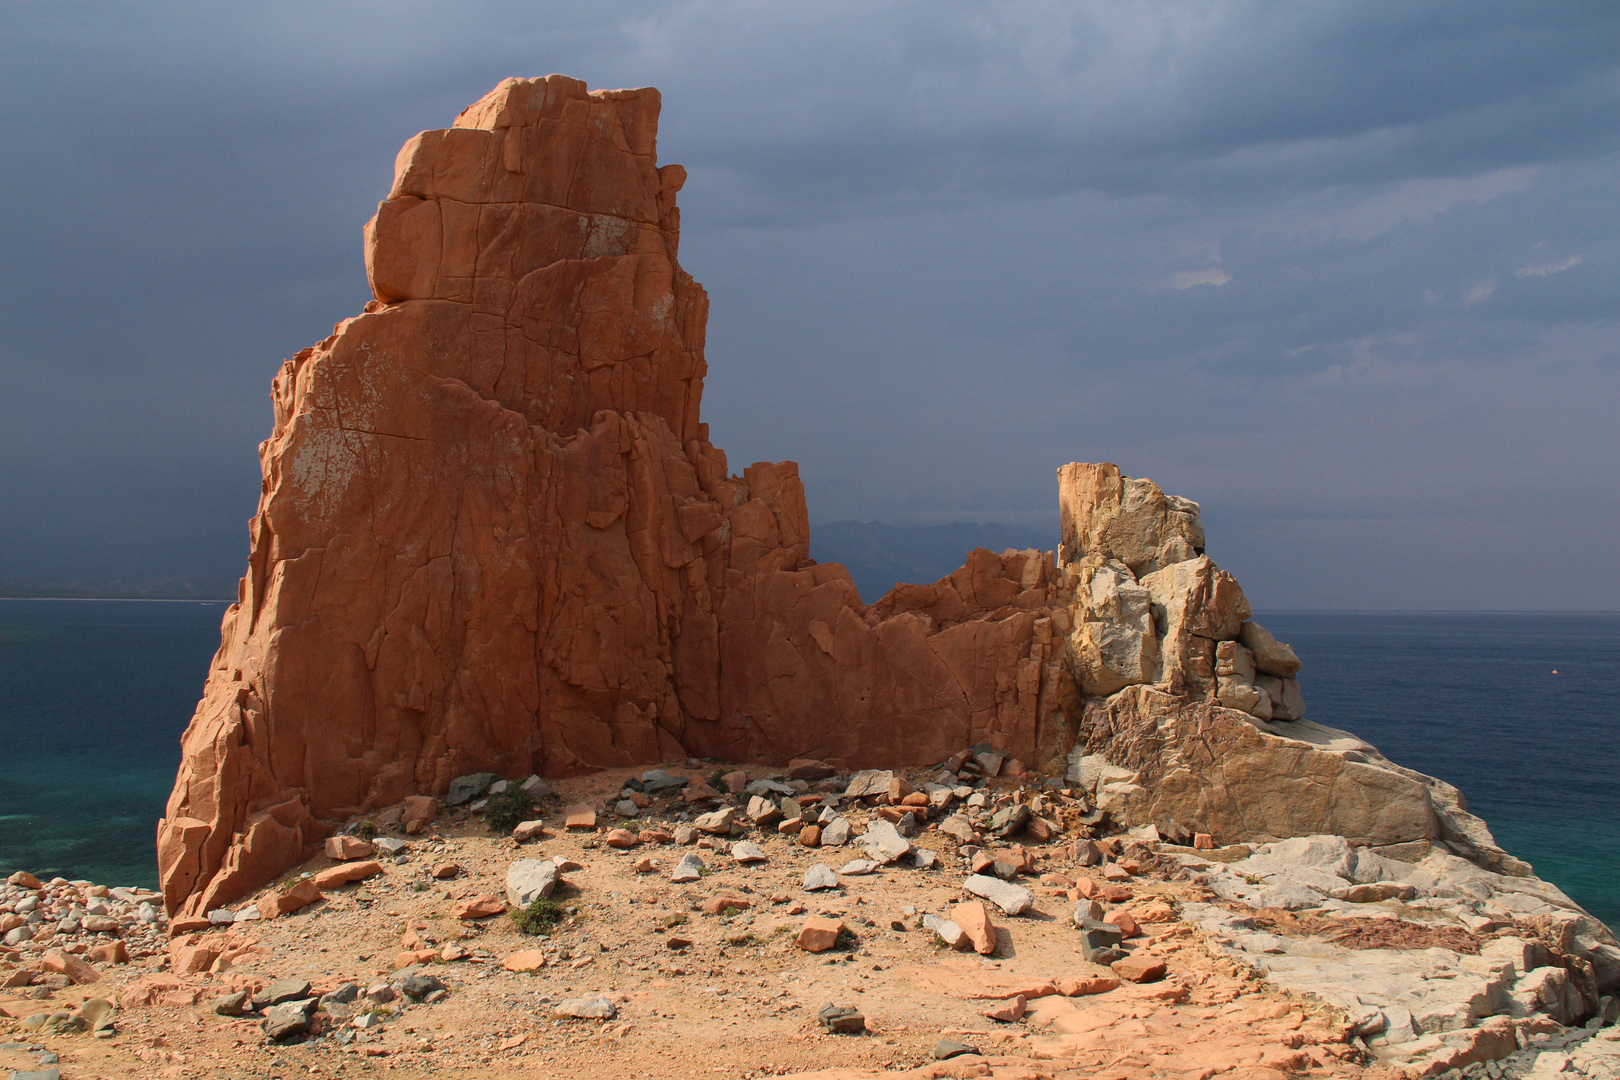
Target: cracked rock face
pixel 494 540
pixel 493 534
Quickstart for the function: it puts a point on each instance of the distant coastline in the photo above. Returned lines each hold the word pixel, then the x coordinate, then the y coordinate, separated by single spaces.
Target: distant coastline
pixel 206 587
pixel 125 599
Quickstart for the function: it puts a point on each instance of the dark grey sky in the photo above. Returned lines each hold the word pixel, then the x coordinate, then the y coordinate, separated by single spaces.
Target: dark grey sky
pixel 1344 273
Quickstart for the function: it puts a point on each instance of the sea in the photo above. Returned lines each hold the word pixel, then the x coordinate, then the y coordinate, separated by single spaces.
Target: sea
pixel 1520 711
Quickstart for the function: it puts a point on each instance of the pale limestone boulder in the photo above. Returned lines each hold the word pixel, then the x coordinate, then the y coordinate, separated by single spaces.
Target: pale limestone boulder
pixel 1286 701
pixel 1234 693
pixel 1271 656
pixel 1195 604
pixel 1113 644
pixel 1202 768
pixel 1121 517
pixel 1189 766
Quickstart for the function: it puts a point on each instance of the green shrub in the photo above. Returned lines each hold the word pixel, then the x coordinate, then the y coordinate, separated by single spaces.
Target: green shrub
pixel 508 809
pixel 540 916
pixel 366 830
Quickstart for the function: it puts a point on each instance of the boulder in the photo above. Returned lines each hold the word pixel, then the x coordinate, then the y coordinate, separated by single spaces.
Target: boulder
pixel 1139 969
pixel 841 1019
pixel 64 963
pixel 819 934
pixel 336 876
pixel 1113 644
pixel 761 811
pixel 1106 514
pixel 1201 768
pixel 1100 941
pixel 884 843
pixel 1271 657
pixel 949 932
pixel 746 851
pixel 529 879
pixel 869 782
pixel 836 833
pixel 820 877
pixel 717 822
pixel 973 919
pixel 464 789
pixel 579 816
pixel 595 1007
pixel 525 960
pixel 283 1022
pixel 345 848
pixel 1012 899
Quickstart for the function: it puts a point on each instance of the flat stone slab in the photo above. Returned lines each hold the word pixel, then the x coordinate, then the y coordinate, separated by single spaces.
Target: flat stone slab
pixel 1011 899
pixel 746 851
pixel 820 877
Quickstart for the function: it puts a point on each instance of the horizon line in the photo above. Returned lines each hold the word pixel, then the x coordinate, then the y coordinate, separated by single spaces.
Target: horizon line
pixel 1264 611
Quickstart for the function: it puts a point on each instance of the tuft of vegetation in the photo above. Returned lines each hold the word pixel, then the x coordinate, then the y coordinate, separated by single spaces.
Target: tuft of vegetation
pixel 542 914
pixel 366 830
pixel 508 809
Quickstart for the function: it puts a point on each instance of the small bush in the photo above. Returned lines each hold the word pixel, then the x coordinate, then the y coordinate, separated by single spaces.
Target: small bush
pixel 366 830
pixel 539 917
pixel 508 809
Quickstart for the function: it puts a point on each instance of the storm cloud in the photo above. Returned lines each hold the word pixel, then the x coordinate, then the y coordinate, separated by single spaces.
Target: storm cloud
pixel 1344 273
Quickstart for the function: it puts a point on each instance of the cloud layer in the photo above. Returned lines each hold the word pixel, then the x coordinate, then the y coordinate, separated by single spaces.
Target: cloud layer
pixel 1344 273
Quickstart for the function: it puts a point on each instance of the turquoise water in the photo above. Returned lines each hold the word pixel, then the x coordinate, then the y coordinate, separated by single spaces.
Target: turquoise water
pixel 94 695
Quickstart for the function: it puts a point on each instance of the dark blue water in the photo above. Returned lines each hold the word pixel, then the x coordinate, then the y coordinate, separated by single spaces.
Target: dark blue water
pixel 94 696
pixel 1473 700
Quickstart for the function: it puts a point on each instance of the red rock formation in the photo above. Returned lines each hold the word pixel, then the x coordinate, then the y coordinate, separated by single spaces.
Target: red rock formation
pixel 493 533
pixel 494 536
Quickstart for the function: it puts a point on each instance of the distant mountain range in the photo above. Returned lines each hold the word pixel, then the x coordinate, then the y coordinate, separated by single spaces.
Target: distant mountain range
pixel 878 556
pixel 178 587
pixel 881 556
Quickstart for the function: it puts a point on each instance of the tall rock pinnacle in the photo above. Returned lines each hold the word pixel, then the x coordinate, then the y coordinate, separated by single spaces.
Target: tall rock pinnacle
pixel 493 533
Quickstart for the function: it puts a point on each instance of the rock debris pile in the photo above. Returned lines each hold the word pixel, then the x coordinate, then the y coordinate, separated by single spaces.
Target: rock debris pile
pixel 974 905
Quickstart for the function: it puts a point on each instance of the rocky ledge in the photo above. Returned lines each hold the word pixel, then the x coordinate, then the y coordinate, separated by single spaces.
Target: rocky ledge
pixel 967 920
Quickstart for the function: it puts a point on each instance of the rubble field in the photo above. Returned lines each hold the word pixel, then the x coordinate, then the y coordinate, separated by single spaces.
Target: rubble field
pixel 746 921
